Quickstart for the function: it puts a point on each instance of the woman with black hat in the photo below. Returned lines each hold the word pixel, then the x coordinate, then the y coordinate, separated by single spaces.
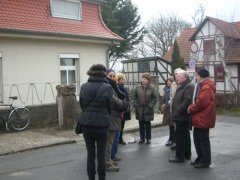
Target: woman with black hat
pixel 203 112
pixel 95 102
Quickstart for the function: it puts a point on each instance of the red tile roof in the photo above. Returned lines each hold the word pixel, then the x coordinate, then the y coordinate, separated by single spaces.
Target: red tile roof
pixel 184 40
pixel 35 16
pixel 183 44
pixel 233 55
pixel 229 29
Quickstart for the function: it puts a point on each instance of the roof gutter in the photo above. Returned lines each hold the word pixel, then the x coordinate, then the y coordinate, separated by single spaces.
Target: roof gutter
pixel 53 35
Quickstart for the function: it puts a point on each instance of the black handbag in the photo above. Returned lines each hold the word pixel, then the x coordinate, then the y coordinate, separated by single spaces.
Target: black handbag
pixel 127 114
pixel 78 129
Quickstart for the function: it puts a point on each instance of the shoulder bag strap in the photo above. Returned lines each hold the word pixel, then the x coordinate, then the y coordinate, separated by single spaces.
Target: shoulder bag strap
pixel 94 97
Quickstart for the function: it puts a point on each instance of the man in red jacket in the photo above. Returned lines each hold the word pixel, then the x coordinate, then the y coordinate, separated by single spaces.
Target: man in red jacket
pixel 203 112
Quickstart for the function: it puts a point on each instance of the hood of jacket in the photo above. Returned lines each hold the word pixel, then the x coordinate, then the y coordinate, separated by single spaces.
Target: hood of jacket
pixel 209 83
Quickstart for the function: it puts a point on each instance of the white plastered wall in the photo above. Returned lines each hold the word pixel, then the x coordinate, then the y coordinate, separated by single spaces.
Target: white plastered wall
pixel 31 67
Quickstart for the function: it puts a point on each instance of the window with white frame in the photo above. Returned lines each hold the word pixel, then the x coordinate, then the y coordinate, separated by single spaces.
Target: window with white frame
pixel 68 69
pixel 70 9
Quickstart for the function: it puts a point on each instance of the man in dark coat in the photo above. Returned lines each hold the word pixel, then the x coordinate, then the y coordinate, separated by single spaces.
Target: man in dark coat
pixel 181 101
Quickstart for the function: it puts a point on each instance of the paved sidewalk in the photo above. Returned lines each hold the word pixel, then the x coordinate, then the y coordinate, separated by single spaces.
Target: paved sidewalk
pixel 12 142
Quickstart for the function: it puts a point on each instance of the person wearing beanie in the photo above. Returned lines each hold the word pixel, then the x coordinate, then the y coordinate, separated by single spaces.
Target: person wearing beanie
pixel 110 71
pixel 203 113
pixel 96 101
pixel 145 98
pixel 203 73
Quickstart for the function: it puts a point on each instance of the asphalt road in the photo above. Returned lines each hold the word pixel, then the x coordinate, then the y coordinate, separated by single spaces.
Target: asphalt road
pixel 139 162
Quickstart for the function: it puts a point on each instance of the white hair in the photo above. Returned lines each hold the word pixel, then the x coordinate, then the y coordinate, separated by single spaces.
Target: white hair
pixel 178 70
pixel 185 73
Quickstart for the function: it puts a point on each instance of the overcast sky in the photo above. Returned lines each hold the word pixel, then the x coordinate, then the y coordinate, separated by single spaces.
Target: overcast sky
pixel 228 10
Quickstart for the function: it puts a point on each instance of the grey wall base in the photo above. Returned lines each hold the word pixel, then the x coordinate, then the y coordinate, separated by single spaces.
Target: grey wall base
pixel 41 116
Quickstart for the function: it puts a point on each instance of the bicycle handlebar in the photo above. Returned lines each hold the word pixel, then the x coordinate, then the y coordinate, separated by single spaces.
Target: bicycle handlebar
pixel 13 97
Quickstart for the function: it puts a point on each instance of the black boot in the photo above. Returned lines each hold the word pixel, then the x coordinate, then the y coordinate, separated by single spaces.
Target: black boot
pixel 91 177
pixel 101 177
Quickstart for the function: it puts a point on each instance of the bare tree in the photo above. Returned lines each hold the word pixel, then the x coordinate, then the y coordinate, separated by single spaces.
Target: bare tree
pixel 141 50
pixel 162 32
pixel 199 15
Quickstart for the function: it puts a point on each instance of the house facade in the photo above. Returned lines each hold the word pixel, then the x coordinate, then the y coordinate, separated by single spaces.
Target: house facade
pixel 155 66
pixel 214 45
pixel 49 42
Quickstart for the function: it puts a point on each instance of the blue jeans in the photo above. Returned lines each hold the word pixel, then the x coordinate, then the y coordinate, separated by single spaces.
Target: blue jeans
pixel 114 148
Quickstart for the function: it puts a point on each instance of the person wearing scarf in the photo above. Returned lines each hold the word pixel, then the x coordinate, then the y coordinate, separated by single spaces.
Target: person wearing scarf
pixel 145 98
pixel 126 115
pixel 119 104
pixel 203 112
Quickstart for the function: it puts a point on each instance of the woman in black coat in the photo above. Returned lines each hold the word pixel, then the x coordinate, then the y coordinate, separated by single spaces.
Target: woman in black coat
pixel 95 102
pixel 126 115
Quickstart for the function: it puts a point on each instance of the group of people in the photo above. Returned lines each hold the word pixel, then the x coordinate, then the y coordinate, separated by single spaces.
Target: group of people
pixel 186 106
pixel 105 108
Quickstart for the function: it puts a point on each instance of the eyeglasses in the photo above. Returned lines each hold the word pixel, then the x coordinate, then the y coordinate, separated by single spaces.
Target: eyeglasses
pixel 111 75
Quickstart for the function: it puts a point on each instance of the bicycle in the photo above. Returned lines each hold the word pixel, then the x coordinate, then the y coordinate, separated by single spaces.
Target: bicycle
pixel 16 117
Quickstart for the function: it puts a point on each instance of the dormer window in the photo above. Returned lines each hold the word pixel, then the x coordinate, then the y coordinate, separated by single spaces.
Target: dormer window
pixel 70 9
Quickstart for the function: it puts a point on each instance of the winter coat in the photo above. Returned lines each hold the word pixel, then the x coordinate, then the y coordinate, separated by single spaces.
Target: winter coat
pixel 166 96
pixel 95 102
pixel 119 104
pixel 203 110
pixel 181 100
pixel 167 120
pixel 146 112
pixel 173 89
pixel 127 113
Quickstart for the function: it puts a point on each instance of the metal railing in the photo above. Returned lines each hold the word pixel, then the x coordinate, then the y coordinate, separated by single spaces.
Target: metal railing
pixel 32 93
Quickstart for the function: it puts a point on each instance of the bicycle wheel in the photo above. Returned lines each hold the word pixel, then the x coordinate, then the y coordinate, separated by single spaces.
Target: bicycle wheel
pixel 19 118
